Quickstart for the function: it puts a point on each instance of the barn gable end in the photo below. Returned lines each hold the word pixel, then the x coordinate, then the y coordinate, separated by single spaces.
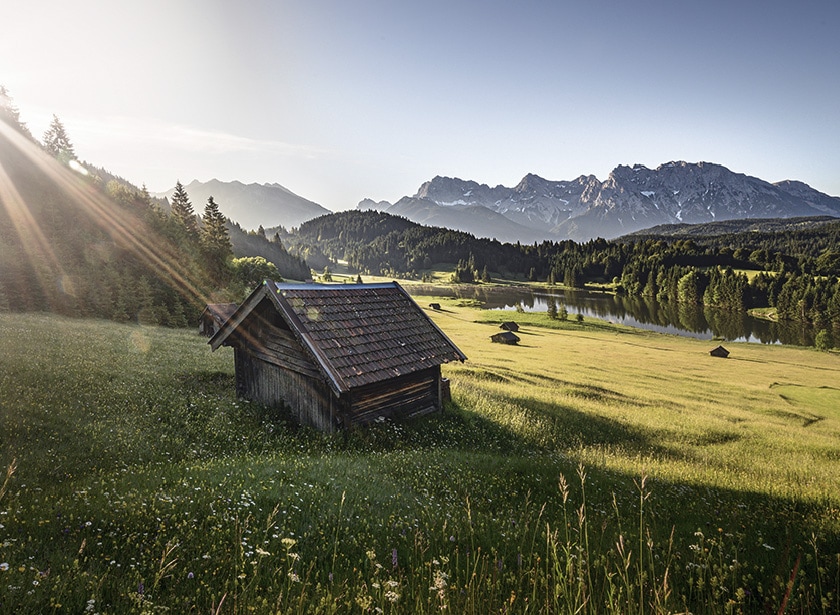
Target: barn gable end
pixel 337 355
pixel 213 316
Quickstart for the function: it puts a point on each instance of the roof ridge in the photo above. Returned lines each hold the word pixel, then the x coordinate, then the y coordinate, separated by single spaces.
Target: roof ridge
pixel 317 286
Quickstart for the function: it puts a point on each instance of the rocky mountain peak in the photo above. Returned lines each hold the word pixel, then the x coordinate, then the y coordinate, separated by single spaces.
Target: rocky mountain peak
pixel 631 198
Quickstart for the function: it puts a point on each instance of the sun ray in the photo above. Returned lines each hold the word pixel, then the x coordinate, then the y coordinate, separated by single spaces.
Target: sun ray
pixel 32 239
pixel 124 227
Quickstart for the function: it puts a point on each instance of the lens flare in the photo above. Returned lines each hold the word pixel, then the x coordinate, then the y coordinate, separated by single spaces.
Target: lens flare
pixel 125 228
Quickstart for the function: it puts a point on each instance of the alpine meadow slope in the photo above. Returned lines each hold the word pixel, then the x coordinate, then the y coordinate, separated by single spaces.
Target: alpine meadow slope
pixel 637 475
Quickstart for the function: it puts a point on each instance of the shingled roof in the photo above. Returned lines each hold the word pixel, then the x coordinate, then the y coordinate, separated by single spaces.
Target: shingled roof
pixel 357 334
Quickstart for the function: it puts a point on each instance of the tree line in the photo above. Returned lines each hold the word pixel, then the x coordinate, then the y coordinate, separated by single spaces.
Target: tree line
pixel 794 271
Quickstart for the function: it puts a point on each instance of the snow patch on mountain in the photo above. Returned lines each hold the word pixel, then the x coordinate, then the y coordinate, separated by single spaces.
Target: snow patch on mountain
pixel 630 199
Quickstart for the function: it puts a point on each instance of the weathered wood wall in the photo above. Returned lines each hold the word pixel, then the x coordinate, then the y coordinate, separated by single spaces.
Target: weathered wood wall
pixel 272 368
pixel 310 400
pixel 412 395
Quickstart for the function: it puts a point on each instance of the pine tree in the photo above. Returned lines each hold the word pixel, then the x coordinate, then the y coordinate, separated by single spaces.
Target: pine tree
pixel 563 314
pixel 57 143
pixel 215 242
pixel 214 232
pixel 552 309
pixel 10 114
pixel 182 209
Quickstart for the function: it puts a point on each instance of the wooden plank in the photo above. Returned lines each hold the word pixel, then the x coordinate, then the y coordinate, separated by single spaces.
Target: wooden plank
pixel 387 397
pixel 308 399
pixel 286 363
pixel 400 397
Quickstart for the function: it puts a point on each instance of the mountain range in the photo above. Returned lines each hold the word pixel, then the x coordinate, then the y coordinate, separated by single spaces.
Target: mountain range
pixel 630 199
pixel 252 205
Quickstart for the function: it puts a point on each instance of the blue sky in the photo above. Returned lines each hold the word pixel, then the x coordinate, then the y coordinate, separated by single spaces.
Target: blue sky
pixel 339 101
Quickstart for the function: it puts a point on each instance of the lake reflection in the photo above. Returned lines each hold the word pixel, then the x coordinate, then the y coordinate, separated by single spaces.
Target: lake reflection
pixel 686 320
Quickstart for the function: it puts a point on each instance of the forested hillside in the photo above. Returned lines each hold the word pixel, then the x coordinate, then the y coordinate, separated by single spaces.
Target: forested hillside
pixel 794 271
pixel 76 240
pixel 377 242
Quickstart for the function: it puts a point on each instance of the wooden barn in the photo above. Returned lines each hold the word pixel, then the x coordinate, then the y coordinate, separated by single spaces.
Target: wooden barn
pixel 720 351
pixel 213 316
pixel 505 337
pixel 338 355
pixel 509 326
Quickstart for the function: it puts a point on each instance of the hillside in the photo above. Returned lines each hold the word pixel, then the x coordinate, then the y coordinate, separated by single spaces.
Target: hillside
pixel 78 240
pixel 381 243
pixel 75 239
pixel 730 227
pixel 142 481
pixel 74 245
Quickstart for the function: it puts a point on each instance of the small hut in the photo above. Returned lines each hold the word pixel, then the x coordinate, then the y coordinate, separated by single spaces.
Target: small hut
pixel 509 326
pixel 214 316
pixel 720 351
pixel 505 337
pixel 338 355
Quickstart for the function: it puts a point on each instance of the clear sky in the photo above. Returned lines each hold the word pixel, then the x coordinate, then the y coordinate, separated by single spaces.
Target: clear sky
pixel 340 100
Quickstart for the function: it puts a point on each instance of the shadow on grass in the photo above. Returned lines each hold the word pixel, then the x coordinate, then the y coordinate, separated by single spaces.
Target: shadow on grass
pixel 208 382
pixel 572 429
pixel 561 430
pixel 576 389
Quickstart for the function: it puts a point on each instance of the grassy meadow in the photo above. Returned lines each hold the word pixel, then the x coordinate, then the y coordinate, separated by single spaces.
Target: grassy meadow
pixel 590 469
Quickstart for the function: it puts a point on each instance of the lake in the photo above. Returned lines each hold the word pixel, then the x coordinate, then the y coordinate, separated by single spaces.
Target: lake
pixel 686 320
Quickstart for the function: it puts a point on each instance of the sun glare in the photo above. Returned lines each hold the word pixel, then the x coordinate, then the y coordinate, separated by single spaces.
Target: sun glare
pixel 74 164
pixel 125 229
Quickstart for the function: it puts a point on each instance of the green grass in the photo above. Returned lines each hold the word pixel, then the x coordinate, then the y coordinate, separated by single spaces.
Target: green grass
pixel 590 469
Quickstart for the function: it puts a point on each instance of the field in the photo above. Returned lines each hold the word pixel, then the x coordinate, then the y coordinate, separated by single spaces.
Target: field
pixel 590 469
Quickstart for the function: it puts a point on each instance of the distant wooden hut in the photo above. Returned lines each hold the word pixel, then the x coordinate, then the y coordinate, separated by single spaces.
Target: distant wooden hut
pixel 434 306
pixel 338 355
pixel 505 337
pixel 720 351
pixel 213 316
pixel 509 326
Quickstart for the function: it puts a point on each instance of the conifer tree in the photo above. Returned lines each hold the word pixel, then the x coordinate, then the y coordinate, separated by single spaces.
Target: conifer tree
pixel 10 114
pixel 215 241
pixel 552 309
pixel 57 143
pixel 182 209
